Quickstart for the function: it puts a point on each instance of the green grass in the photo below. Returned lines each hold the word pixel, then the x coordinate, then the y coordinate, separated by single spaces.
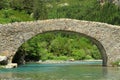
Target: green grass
pixel 9 16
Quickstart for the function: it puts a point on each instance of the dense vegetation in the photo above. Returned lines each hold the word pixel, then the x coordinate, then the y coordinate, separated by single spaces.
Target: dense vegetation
pixel 58 45
pixel 63 45
pixel 48 9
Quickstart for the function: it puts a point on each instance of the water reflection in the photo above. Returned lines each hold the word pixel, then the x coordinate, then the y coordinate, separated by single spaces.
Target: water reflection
pixel 60 72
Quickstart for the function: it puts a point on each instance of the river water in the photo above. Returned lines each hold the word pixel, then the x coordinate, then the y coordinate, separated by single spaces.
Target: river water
pixel 61 71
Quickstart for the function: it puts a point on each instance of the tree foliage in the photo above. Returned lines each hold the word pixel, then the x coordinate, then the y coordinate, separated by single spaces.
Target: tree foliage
pixel 90 10
pixel 39 10
pixel 4 4
pixel 26 5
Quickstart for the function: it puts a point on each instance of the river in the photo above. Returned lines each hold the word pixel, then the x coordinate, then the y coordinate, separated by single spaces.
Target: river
pixel 61 71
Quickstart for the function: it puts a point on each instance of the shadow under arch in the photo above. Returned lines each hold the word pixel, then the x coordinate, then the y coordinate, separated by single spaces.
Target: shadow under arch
pixel 96 42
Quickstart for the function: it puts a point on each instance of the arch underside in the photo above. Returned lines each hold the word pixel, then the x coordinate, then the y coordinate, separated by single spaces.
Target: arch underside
pixel 98 44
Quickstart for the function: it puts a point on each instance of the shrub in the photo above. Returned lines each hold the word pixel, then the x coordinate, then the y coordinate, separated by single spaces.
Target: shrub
pixel 116 63
pixel 79 54
pixel 88 57
pixel 9 15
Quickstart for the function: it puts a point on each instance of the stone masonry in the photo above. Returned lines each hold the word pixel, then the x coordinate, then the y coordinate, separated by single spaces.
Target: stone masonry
pixel 105 36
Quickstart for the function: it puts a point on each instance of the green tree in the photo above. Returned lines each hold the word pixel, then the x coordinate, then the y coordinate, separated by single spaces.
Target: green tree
pixel 16 4
pixel 39 10
pixel 26 5
pixel 79 54
pixel 4 4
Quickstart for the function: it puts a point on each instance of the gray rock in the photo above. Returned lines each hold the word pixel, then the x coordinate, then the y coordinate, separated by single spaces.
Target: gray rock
pixel 3 60
pixel 11 65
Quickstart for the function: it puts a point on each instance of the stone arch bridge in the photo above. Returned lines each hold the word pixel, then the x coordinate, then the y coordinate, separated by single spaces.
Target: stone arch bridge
pixel 105 36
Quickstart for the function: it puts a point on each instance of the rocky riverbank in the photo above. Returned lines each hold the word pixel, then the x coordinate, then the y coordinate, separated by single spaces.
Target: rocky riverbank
pixel 62 61
pixel 9 65
pixel 4 62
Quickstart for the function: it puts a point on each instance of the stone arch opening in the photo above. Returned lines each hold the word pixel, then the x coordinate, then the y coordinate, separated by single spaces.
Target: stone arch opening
pixel 96 42
pixel 100 47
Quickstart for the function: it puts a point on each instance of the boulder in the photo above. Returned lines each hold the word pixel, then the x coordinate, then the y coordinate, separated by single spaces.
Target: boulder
pixel 3 60
pixel 11 65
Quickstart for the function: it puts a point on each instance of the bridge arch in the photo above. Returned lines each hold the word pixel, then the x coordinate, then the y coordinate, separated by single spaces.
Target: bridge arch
pixel 94 41
pixel 105 36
